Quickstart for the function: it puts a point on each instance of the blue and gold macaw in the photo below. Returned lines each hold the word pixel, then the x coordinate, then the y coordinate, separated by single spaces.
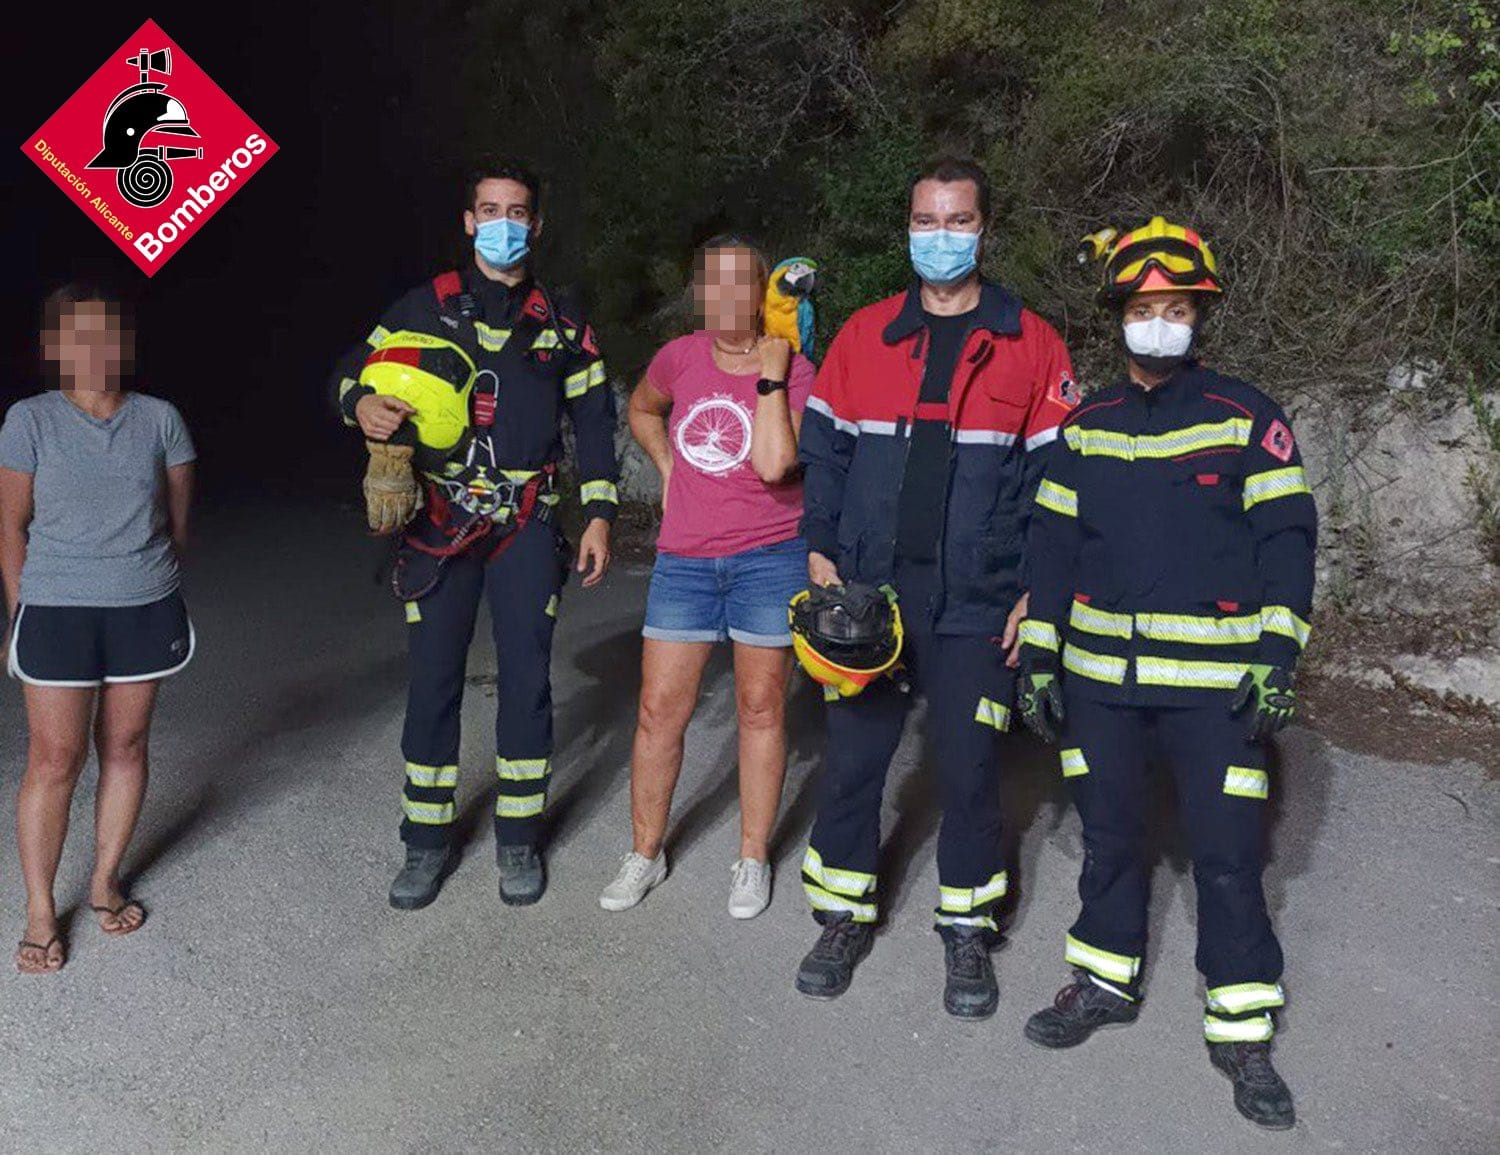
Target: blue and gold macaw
pixel 788 305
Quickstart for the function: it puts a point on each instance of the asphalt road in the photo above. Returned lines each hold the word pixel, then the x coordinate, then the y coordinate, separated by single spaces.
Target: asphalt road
pixel 275 1002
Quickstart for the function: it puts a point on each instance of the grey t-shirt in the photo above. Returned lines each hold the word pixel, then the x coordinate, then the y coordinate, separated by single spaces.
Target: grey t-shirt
pixel 99 534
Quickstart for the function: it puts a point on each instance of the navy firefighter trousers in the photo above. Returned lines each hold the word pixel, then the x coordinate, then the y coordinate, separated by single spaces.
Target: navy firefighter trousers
pixel 521 585
pixel 968 690
pixel 1222 787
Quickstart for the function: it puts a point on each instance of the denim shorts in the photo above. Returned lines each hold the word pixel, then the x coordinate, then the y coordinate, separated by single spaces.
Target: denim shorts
pixel 742 597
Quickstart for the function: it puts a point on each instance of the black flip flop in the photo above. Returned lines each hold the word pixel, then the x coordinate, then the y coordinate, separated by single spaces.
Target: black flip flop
pixel 46 949
pixel 116 912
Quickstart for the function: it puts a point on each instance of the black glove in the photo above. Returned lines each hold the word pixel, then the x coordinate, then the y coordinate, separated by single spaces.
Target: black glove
pixel 1275 701
pixel 1039 694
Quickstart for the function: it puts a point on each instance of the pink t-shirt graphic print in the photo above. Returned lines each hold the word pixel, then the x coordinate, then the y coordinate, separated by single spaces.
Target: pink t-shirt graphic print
pixel 716 505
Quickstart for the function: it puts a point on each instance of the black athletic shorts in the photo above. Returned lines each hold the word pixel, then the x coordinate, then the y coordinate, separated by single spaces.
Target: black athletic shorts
pixel 82 646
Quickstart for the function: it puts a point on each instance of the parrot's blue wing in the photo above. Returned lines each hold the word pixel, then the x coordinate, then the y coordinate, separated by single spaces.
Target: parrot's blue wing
pixel 805 328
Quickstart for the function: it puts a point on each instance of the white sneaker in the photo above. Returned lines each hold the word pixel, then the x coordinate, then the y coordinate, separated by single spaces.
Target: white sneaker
pixel 638 875
pixel 750 892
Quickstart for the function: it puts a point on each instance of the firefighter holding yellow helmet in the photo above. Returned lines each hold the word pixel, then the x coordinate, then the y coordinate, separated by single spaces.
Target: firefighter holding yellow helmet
pixel 1172 577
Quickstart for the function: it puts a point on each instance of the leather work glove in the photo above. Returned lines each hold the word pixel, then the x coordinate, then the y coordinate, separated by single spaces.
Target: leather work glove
pixel 1269 689
pixel 1039 695
pixel 390 487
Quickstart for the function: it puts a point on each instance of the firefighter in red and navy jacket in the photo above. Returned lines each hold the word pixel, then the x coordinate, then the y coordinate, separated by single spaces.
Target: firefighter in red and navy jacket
pixel 1171 557
pixel 537 361
pixel 927 431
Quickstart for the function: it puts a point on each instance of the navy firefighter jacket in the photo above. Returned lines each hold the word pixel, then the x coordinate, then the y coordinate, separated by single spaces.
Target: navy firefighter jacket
pixel 1011 388
pixel 1173 540
pixel 540 379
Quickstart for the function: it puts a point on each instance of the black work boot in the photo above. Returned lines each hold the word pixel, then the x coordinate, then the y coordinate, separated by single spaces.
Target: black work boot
pixel 522 877
pixel 1079 1009
pixel 1259 1092
pixel 421 878
pixel 828 969
pixel 971 991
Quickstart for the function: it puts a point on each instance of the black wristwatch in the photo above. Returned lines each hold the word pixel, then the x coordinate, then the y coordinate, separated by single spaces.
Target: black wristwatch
pixel 765 386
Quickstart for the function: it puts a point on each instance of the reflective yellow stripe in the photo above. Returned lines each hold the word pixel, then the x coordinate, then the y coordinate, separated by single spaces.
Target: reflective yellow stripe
pixel 1242 997
pixel 854 883
pixel 1199 630
pixel 992 713
pixel 1091 621
pixel 1194 675
pixel 831 694
pixel 1173 443
pixel 1281 620
pixel 551 610
pixel 377 335
pixel 1074 765
pixel 1244 782
pixel 346 384
pixel 964 899
pixel 1275 483
pixel 524 806
pixel 1256 1030
pixel 599 491
pixel 1099 667
pixel 836 903
pixel 522 769
pixel 547 339
pixel 1040 634
pixel 441 777
pixel 428 813
pixel 1119 967
pixel 491 339
pixel 577 384
pixel 519 476
pixel 979 920
pixel 413 612
pixel 1057 498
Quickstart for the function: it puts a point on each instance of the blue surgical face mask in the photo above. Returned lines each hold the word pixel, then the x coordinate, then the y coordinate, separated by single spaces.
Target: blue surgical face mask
pixel 502 243
pixel 942 256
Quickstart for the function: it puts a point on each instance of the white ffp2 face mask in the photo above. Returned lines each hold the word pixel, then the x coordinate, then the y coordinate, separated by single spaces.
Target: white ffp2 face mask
pixel 1158 337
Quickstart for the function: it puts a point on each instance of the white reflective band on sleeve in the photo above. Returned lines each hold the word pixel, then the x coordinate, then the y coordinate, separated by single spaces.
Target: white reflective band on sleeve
pixel 886 427
pixel 1275 483
pixel 1256 1030
pixel 1196 629
pixel 1174 443
pixel 1058 498
pixel 599 491
pixel 1121 968
pixel 982 437
pixel 991 713
pixel 522 769
pixel 818 405
pixel 547 339
pixel 1246 783
pixel 1041 437
pixel 1043 635
pixel 442 777
pixel 1088 620
pixel 523 806
pixel 1281 620
pixel 1099 667
pixel 428 813
pixel 491 340
pixel 577 384
pixel 1074 765
pixel 1192 675
pixel 854 883
pixel 1243 997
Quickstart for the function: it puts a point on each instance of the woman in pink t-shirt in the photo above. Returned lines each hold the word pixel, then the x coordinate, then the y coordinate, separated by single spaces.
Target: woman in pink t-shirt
pixel 718 413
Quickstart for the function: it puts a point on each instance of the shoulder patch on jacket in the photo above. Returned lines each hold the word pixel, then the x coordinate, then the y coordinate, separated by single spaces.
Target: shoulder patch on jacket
pixel 1278 441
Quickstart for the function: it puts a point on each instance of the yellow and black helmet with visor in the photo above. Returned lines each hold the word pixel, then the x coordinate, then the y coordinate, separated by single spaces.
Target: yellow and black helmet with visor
pixel 1159 257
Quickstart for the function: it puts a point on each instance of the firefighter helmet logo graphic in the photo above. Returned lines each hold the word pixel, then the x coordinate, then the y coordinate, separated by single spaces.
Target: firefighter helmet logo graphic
pixel 1278 441
pixel 149 147
pixel 144 172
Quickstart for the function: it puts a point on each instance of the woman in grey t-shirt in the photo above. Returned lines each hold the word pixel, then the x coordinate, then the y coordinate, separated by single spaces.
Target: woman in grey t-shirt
pixel 95 485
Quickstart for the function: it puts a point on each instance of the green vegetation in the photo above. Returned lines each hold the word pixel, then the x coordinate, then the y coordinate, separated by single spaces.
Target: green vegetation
pixel 1343 156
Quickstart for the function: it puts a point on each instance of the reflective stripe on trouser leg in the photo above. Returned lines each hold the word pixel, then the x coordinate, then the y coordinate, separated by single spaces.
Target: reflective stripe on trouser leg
pixel 520 584
pixel 971 872
pixel 437 649
pixel 1108 940
pixel 839 870
pixel 1238 954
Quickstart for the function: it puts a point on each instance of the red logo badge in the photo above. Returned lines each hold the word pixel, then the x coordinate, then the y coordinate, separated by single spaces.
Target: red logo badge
pixel 149 148
pixel 1278 442
pixel 1067 391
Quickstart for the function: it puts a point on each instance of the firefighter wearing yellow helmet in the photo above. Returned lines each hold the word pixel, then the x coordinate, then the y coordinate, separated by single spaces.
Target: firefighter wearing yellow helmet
pixel 1171 550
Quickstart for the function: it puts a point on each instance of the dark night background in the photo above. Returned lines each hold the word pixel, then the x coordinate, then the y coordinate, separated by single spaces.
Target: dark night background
pixel 241 327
